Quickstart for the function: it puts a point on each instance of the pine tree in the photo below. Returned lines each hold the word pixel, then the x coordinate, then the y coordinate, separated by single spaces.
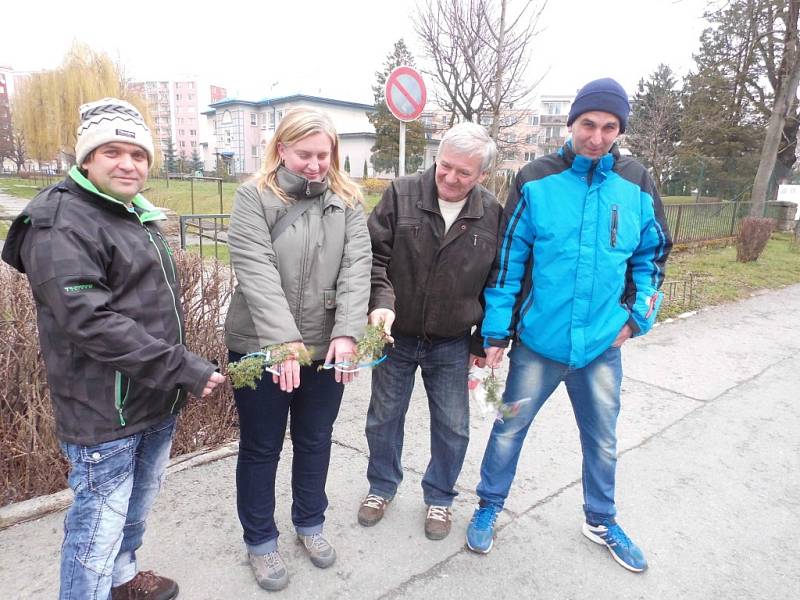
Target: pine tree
pixel 386 151
pixel 197 162
pixel 654 126
pixel 365 175
pixel 170 162
pixel 347 164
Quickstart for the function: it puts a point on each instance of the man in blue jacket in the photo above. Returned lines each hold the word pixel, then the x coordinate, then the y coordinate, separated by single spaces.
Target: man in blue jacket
pixel 579 264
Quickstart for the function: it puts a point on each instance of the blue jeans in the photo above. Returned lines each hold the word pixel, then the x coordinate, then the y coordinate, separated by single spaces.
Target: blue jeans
pixel 263 414
pixel 115 484
pixel 444 373
pixel 594 392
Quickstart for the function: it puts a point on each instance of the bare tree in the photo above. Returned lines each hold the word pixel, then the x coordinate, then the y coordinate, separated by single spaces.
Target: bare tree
pixel 479 54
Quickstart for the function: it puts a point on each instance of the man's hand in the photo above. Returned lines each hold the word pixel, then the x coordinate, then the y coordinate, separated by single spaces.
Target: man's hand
pixel 623 336
pixel 387 316
pixel 289 379
pixel 494 356
pixel 341 350
pixel 478 361
pixel 213 381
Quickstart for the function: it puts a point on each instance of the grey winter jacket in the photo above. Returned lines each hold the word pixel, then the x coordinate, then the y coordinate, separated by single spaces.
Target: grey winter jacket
pixel 312 284
pixel 108 307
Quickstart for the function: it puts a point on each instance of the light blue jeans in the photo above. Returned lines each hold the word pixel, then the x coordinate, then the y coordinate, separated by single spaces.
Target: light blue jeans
pixel 594 391
pixel 115 484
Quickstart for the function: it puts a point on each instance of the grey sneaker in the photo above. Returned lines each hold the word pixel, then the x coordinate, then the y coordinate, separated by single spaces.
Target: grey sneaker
pixel 371 510
pixel 438 522
pixel 270 570
pixel 319 550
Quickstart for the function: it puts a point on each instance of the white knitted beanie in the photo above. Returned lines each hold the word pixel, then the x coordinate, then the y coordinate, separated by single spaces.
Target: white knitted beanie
pixel 111 120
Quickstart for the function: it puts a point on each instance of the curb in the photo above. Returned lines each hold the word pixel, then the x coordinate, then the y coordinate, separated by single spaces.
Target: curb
pixel 34 508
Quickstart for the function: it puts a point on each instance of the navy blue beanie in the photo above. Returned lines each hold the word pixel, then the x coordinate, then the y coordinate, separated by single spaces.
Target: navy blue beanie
pixel 605 95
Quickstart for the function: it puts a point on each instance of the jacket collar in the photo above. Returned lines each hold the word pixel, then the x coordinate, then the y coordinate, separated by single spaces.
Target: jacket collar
pixel 297 186
pixel 583 164
pixel 473 208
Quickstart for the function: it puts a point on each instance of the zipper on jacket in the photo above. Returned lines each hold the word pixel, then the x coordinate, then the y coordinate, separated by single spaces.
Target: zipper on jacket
pixel 119 399
pixel 614 221
pixel 170 254
pixel 474 239
pixel 416 230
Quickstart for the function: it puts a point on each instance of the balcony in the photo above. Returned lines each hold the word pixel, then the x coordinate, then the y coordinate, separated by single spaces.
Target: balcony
pixel 552 120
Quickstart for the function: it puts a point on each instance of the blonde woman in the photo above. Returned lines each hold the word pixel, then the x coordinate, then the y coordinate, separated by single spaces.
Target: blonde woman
pixel 301 252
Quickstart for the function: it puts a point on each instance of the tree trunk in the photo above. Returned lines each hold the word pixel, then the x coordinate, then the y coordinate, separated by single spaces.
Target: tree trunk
pixel 780 109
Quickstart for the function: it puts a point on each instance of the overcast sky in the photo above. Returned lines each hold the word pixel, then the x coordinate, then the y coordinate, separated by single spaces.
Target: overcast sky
pixel 269 48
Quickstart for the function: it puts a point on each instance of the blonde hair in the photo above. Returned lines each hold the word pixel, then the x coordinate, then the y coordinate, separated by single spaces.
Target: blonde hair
pixel 297 124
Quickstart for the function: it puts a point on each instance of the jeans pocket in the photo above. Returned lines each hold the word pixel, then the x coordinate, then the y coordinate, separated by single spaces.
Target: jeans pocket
pixel 108 464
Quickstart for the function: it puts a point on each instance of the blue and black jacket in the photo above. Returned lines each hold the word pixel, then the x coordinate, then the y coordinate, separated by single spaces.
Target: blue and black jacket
pixel 581 252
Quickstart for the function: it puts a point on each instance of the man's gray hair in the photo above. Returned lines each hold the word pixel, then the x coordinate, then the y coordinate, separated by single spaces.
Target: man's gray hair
pixel 470 139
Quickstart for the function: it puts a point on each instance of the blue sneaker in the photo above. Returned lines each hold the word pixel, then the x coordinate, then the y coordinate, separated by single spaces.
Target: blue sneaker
pixel 622 548
pixel 480 533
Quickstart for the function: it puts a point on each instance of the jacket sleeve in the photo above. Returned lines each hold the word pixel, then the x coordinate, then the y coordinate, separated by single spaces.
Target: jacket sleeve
pixel 514 247
pixel 353 282
pixel 68 277
pixel 645 272
pixel 381 225
pixel 254 260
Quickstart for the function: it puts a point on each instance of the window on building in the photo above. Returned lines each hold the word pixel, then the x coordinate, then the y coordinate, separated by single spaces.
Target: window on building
pixel 272 120
pixel 512 138
pixel 177 96
pixel 193 132
pixel 533 119
pixel 181 132
pixel 444 119
pixel 530 155
pixel 182 144
pixel 280 115
pixel 509 155
pixel 254 151
pixel 190 97
pixel 226 118
pixel 486 120
pixel 253 119
pixel 530 139
pixel 191 85
pixel 552 131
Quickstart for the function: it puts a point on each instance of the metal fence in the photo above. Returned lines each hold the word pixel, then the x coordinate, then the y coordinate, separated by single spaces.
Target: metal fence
pixel 709 220
pixel 206 234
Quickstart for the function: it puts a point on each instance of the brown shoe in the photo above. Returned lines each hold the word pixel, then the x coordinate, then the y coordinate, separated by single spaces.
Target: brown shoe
pixel 372 509
pixel 438 522
pixel 146 586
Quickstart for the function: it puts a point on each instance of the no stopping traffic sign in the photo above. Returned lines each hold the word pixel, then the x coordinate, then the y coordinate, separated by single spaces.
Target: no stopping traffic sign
pixel 405 93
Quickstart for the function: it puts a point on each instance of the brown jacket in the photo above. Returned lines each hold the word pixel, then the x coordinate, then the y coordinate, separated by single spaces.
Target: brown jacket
pixel 432 281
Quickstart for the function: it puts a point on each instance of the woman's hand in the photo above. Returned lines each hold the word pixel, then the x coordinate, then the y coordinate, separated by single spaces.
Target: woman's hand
pixel 289 379
pixel 342 350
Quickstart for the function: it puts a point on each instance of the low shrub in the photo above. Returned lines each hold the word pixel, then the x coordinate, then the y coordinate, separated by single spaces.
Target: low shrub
pixel 374 185
pixel 753 236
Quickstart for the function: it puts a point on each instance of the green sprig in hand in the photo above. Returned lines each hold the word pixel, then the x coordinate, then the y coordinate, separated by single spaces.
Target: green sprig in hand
pixel 248 371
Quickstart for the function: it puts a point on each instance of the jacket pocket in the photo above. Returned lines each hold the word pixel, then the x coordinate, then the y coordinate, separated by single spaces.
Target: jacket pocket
pixel 614 225
pixel 122 390
pixel 329 304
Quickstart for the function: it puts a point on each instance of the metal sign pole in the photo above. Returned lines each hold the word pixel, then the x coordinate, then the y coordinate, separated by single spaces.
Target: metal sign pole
pixel 402 170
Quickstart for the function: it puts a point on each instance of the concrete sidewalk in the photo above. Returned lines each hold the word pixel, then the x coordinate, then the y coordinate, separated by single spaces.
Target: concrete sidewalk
pixel 708 484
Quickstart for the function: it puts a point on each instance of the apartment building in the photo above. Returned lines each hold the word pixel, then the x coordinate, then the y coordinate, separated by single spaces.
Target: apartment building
pixel 175 107
pixel 525 133
pixel 241 129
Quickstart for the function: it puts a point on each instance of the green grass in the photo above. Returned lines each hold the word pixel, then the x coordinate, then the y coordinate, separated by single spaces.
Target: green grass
pixel 719 278
pixel 687 199
pixel 177 196
pixel 3 229
pixel 22 188
pixel 222 252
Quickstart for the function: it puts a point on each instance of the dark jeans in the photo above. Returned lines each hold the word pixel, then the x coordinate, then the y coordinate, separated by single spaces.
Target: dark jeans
pixel 263 413
pixel 444 372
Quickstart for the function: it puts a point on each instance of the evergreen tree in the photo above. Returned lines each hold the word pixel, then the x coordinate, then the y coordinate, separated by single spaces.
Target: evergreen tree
pixel 197 162
pixel 347 164
pixel 182 162
pixel 386 151
pixel 654 126
pixel 170 162
pixel 365 175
